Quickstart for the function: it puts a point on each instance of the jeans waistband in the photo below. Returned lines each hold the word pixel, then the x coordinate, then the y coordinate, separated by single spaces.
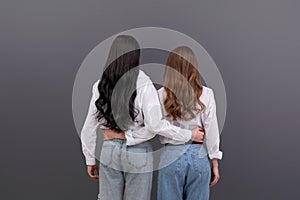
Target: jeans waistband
pixel 187 143
pixel 121 141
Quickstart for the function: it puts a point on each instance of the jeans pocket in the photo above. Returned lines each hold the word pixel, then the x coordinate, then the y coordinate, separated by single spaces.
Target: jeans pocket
pixel 172 168
pixel 199 151
pixel 137 157
pixel 170 162
pixel 106 155
pixel 200 165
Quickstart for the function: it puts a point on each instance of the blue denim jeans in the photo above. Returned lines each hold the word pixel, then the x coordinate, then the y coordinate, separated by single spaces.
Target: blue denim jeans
pixel 184 173
pixel 125 171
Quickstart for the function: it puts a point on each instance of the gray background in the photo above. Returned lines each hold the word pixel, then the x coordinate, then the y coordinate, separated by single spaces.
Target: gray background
pixel 254 43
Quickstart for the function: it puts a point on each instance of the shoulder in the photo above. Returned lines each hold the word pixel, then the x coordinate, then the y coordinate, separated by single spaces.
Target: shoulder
pixel 161 93
pixel 207 94
pixel 206 90
pixel 96 83
pixel 95 86
pixel 143 80
pixel 143 76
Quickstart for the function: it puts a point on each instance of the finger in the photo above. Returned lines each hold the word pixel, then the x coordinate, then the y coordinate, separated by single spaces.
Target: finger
pixel 97 170
pixel 214 182
pixel 197 139
pixel 199 130
pixel 201 137
pixel 93 176
pixel 90 173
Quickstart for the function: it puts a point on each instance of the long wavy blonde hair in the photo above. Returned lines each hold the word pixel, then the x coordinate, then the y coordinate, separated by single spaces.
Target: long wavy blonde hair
pixel 182 85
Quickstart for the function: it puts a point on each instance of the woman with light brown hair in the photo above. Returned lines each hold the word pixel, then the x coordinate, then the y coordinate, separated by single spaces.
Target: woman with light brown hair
pixel 185 170
pixel 125 105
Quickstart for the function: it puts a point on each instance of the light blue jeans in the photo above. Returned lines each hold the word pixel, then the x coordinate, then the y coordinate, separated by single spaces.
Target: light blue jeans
pixel 184 173
pixel 125 171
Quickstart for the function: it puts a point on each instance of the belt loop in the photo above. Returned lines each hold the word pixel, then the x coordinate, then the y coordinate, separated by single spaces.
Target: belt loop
pixel 166 145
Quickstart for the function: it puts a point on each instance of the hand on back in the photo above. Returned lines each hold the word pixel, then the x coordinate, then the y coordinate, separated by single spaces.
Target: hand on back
pixel 198 134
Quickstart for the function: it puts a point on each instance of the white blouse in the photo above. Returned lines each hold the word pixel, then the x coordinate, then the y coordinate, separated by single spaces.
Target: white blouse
pixel 206 119
pixel 148 123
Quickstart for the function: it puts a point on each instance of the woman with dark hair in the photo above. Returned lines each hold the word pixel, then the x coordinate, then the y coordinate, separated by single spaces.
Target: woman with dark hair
pixel 185 171
pixel 126 107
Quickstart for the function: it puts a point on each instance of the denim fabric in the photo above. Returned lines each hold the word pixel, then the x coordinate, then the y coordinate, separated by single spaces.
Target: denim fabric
pixel 125 171
pixel 184 173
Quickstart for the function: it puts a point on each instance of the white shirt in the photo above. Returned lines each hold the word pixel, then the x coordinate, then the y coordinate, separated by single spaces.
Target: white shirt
pixel 206 119
pixel 149 121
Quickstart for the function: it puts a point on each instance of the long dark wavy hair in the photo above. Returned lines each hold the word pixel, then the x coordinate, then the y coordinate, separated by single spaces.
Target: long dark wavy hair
pixel 117 87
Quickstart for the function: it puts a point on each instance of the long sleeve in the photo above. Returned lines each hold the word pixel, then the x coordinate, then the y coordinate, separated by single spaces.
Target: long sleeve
pixel 210 123
pixel 89 130
pixel 153 120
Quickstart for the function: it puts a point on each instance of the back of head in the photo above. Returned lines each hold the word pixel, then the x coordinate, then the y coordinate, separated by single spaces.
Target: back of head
pixel 124 49
pixel 116 104
pixel 182 85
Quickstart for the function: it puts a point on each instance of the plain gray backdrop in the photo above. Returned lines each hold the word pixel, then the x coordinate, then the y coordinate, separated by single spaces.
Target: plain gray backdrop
pixel 254 43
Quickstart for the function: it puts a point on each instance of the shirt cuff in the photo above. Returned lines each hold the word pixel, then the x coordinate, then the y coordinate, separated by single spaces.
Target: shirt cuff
pixel 90 161
pixel 218 155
